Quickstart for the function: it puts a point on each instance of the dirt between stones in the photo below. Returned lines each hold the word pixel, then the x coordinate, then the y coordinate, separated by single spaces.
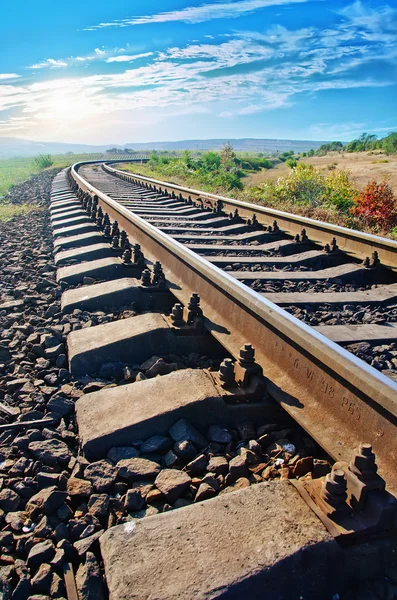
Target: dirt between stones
pixel 54 504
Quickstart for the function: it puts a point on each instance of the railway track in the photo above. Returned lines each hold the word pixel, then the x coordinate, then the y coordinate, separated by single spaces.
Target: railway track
pixel 208 275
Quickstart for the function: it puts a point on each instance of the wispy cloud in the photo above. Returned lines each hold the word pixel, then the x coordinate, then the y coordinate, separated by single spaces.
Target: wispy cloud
pixel 9 76
pixel 108 55
pixel 237 74
pixel 198 14
pixel 51 63
pixel 128 58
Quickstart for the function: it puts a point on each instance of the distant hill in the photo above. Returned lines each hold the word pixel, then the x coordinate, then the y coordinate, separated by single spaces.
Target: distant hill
pixel 240 144
pixel 12 147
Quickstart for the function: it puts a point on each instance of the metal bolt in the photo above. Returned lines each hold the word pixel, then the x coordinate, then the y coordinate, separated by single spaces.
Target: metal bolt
pixel 123 239
pixel 334 488
pixel 127 256
pixel 137 253
pixel 194 301
pixel 275 226
pixel 375 259
pixel 106 220
pixel 115 242
pixel 107 231
pixel 327 248
pixel 146 277
pixel 157 268
pixel 247 354
pixel 304 237
pixel 297 238
pixel 367 262
pixel 226 372
pixel 177 314
pixel 363 463
pixel 115 229
pixel 334 245
pixel 158 272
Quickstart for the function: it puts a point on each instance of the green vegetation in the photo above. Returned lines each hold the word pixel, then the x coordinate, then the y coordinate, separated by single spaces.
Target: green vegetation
pixel 331 196
pixel 43 161
pixel 120 151
pixel 308 187
pixel 366 142
pixel 16 170
pixel 8 211
pixel 212 171
pixel 324 148
pixel 291 163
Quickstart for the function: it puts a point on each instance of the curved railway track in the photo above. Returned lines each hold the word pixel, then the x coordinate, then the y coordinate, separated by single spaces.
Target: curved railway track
pixel 328 384
pixel 223 270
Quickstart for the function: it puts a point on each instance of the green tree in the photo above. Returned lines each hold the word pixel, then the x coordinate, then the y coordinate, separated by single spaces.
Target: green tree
pixel 389 143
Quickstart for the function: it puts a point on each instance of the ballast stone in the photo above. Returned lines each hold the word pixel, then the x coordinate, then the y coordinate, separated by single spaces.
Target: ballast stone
pixel 262 541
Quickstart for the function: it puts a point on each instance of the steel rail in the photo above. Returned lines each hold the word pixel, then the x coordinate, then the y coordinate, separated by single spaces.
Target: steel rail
pixel 333 395
pixel 355 243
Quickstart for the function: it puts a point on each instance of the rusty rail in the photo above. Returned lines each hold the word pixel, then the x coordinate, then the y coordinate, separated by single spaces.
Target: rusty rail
pixel 336 397
pixel 354 243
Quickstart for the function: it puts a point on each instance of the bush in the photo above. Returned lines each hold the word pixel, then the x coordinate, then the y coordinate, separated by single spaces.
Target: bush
pixel 43 161
pixel 376 206
pixel 286 155
pixel 304 184
pixel 340 190
pixel 291 163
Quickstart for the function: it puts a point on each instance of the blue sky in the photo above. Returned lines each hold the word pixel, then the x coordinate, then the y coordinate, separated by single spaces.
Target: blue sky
pixel 118 72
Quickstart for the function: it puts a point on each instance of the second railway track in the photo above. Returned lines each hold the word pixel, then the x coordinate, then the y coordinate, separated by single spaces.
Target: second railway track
pixel 224 269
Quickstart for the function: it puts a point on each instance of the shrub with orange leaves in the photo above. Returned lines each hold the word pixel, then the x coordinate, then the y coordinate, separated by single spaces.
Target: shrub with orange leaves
pixel 376 206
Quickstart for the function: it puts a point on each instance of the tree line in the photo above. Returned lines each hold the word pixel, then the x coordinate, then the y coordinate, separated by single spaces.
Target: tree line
pixel 366 142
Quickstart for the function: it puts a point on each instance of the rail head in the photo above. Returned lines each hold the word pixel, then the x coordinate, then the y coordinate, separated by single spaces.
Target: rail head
pixel 318 381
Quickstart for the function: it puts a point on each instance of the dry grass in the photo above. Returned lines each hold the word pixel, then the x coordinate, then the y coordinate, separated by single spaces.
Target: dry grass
pixel 9 211
pixel 363 166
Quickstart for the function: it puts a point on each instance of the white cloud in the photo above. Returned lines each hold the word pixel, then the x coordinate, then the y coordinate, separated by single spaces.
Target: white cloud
pixel 227 54
pixel 198 14
pixel 107 55
pixel 128 58
pixel 246 73
pixel 51 63
pixel 9 76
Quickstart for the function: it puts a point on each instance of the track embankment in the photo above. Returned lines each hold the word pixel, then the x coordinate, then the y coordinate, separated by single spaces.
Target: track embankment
pixel 146 449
